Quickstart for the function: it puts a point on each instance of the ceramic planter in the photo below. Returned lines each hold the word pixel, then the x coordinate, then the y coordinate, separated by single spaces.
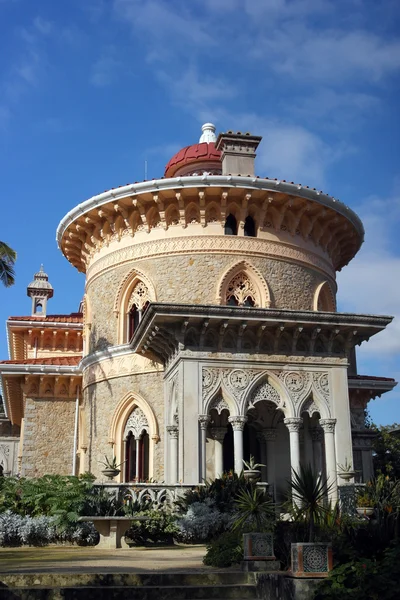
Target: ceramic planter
pixel 365 511
pixel 252 475
pixel 346 475
pixel 312 559
pixel 110 473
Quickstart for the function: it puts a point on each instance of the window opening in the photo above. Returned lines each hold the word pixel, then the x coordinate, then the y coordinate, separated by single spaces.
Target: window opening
pixel 249 227
pixel 230 225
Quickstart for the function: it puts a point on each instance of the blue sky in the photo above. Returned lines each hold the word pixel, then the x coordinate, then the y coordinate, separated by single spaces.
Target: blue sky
pixel 90 89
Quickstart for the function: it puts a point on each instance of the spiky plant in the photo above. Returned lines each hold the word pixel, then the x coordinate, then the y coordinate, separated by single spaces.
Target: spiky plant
pixel 309 494
pixel 255 511
pixel 8 256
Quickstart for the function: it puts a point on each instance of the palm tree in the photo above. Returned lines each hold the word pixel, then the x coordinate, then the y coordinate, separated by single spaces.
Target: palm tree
pixel 8 257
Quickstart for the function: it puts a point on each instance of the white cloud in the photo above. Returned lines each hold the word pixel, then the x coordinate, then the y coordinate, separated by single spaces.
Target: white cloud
pixel 165 25
pixel 104 70
pixel 43 26
pixel 371 283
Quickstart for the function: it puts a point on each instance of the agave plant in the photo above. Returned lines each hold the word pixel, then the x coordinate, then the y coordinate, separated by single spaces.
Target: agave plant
pixel 309 493
pixel 255 511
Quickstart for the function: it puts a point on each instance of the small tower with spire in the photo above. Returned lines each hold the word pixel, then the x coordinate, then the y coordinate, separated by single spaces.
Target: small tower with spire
pixel 40 290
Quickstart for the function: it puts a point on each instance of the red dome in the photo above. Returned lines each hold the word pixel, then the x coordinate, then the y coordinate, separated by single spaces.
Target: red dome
pixel 205 152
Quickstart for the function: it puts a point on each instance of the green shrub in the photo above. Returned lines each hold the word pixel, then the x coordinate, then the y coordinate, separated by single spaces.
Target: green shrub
pixel 222 491
pixel 159 527
pixel 225 551
pixel 365 578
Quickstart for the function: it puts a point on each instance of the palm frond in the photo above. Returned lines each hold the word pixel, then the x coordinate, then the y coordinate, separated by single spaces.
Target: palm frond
pixel 8 257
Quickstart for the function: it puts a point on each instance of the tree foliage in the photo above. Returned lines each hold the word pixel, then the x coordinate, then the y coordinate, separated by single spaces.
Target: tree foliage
pixel 386 449
pixel 8 256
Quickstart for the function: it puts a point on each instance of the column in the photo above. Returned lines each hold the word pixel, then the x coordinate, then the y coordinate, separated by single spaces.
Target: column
pixel 218 434
pixel 270 437
pixel 124 442
pixel 294 424
pixel 173 432
pixel 203 422
pixel 238 424
pixel 308 446
pixel 263 452
pixel 328 425
pixel 137 443
pixel 316 436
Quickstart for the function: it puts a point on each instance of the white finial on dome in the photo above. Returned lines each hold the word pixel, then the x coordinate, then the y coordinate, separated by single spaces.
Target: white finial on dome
pixel 208 134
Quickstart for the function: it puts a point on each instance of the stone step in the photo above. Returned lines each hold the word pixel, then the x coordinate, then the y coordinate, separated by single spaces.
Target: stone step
pixel 70 579
pixel 138 592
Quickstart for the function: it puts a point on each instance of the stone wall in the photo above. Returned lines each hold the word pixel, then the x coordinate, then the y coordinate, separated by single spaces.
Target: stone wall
pixel 194 280
pixel 48 436
pixel 100 403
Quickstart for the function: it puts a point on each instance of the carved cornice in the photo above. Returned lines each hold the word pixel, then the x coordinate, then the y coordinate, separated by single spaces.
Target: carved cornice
pixel 146 205
pixel 205 244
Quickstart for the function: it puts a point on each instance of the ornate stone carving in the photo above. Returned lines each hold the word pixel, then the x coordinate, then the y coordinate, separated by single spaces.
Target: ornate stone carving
pixel 328 425
pixel 237 422
pixel 293 424
pixel 219 404
pixel 209 378
pixel 136 423
pixel 321 384
pixel 206 244
pixel 241 288
pixel 297 383
pixel 118 367
pixel 173 431
pixel 310 407
pixel 140 295
pixel 204 420
pixel 239 379
pixel 266 392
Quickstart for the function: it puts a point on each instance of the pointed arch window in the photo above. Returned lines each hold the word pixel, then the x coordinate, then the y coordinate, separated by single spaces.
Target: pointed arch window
pixel 249 227
pixel 230 225
pixel 136 438
pixel 137 305
pixel 241 291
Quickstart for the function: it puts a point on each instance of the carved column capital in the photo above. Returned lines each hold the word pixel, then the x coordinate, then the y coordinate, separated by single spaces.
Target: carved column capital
pixel 218 433
pixel 204 421
pixel 237 422
pixel 328 425
pixel 293 423
pixel 173 431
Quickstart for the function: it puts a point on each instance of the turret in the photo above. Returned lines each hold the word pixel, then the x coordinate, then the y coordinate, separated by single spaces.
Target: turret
pixel 40 290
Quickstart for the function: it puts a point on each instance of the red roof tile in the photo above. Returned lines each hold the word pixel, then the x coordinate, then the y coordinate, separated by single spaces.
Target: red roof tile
pixel 192 154
pixel 72 318
pixel 69 361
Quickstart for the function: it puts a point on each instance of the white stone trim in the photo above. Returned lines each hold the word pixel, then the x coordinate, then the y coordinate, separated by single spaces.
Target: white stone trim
pixel 227 181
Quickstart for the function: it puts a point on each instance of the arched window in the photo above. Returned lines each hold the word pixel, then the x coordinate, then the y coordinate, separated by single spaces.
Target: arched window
pixel 136 437
pixel 137 305
pixel 249 227
pixel 230 225
pixel 241 291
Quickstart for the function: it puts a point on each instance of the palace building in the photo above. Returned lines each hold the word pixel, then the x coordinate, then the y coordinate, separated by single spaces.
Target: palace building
pixel 208 332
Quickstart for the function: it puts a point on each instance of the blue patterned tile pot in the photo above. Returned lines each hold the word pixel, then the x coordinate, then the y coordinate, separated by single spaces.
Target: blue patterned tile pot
pixel 311 559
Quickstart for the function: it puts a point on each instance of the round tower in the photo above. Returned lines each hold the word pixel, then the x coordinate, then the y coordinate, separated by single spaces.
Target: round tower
pixel 211 236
